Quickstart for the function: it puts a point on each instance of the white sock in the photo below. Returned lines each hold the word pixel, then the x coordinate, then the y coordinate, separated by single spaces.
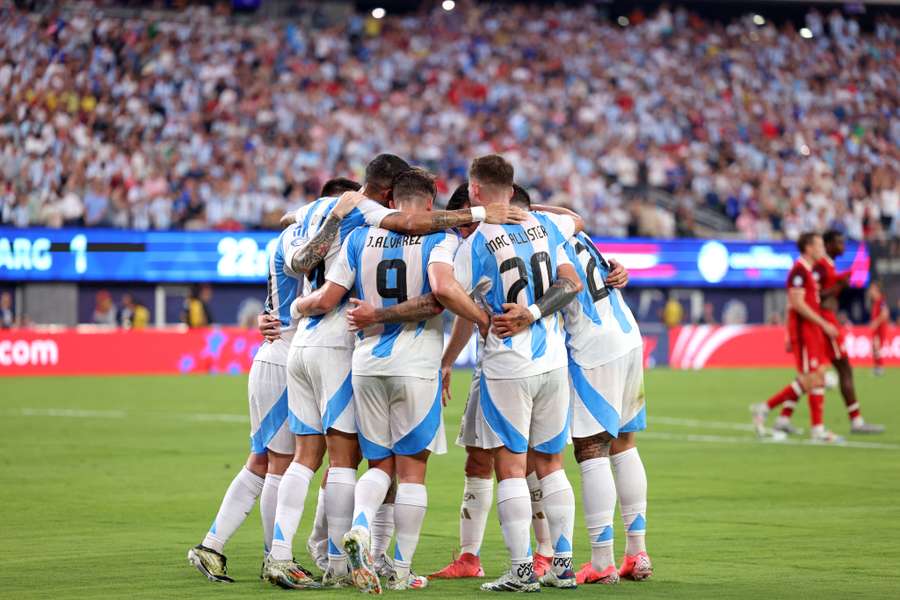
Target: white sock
pixel 368 496
pixel 268 502
pixel 539 517
pixel 514 510
pixel 318 536
pixel 382 529
pixel 291 498
pixel 631 483
pixel 409 513
pixel 559 506
pixel 338 501
pixel 236 505
pixel 478 494
pixel 598 494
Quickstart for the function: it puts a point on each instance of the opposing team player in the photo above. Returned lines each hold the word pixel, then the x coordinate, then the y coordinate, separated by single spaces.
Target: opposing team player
pixel 319 381
pixel 831 284
pixel 878 323
pixel 271 442
pixel 808 340
pixel 524 396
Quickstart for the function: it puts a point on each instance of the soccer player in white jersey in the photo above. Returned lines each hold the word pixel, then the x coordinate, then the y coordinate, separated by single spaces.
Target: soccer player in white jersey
pixel 271 442
pixel 396 371
pixel 319 381
pixel 524 388
pixel 607 378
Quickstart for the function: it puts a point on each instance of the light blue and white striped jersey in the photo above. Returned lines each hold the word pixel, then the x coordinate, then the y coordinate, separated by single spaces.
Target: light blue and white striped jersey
pixel 330 330
pixel 387 268
pixel 517 264
pixel 599 325
pixel 283 287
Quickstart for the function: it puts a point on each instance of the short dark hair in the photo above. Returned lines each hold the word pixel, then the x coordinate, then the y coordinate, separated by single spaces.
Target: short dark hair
pixel 460 197
pixel 492 170
pixel 832 235
pixel 337 186
pixel 382 170
pixel 520 197
pixel 805 240
pixel 413 184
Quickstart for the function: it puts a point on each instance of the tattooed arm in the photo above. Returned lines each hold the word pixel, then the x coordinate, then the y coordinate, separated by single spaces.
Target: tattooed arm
pixel 308 256
pixel 517 317
pixel 439 220
pixel 420 308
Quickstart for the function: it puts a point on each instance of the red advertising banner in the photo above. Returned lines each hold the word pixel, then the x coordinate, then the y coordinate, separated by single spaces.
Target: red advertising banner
pixel 105 352
pixel 703 346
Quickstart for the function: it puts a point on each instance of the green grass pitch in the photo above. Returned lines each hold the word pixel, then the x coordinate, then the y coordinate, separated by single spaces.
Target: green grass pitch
pixel 106 482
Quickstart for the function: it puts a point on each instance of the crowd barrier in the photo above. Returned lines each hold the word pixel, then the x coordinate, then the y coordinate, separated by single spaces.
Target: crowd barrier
pixel 80 351
pixel 756 346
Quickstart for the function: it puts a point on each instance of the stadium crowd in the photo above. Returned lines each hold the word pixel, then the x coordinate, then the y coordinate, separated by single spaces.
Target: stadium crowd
pixel 196 121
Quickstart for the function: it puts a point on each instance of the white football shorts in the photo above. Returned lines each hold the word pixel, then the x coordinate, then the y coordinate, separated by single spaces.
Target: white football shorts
pixel 469 427
pixel 268 396
pixel 320 390
pixel 528 412
pixel 609 397
pixel 398 415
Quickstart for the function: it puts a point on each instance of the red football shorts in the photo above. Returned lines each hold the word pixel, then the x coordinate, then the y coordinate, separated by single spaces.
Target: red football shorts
pixel 809 348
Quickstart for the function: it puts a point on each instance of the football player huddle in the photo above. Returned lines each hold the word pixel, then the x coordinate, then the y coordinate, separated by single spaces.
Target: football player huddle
pixel 356 365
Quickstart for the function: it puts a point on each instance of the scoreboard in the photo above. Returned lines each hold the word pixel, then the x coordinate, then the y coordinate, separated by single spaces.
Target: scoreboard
pixel 242 257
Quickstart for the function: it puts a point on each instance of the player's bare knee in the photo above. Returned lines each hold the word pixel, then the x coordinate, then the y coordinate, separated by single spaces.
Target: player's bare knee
pixel 625 441
pixel 544 464
pixel 411 469
pixel 278 463
pixel 508 464
pixel 595 446
pixel 479 463
pixel 257 464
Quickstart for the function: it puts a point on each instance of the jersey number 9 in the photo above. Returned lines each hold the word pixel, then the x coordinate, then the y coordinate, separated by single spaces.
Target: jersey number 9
pixel 395 289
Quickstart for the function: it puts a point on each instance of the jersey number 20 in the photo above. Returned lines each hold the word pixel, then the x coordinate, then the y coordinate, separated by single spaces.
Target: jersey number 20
pixel 538 259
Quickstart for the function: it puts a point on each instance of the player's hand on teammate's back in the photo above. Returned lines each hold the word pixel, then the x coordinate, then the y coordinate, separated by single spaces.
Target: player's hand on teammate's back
pixel 362 315
pixel 269 326
pixel 499 213
pixel 618 276
pixel 347 202
pixel 446 371
pixel 514 319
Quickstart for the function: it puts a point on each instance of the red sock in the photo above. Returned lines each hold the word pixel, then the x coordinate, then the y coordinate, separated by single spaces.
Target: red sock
pixel 788 394
pixel 853 410
pixel 816 406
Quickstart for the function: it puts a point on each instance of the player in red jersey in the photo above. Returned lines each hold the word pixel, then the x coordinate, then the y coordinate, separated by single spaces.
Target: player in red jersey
pixel 878 323
pixel 808 339
pixel 831 284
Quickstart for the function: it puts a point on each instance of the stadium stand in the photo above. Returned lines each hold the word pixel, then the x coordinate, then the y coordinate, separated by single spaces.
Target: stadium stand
pixel 672 126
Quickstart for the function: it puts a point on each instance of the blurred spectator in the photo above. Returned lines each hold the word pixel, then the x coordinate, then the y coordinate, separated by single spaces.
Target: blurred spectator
pixel 709 315
pixel 7 313
pixel 104 309
pixel 672 312
pixel 133 314
pixel 196 307
pixel 196 121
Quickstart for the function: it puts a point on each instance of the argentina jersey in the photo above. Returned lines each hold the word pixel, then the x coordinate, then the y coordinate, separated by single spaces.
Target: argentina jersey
pixel 516 264
pixel 599 325
pixel 283 286
pixel 330 330
pixel 387 268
